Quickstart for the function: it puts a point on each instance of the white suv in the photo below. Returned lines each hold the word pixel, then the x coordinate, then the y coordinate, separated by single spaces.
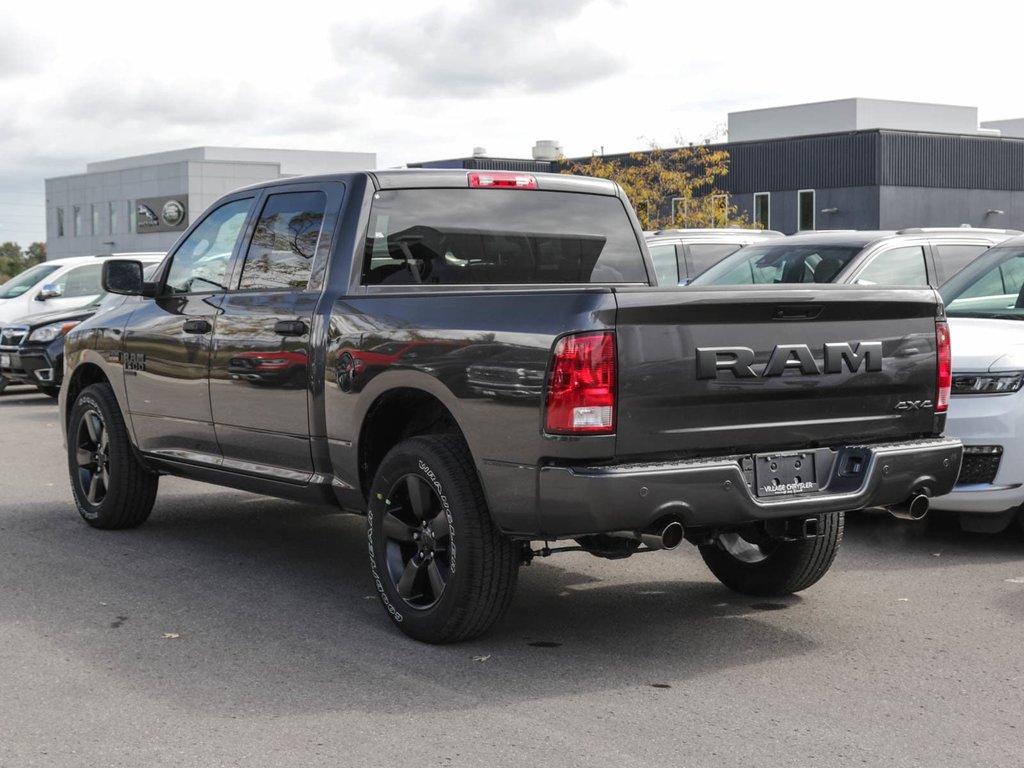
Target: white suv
pixel 985 305
pixel 57 285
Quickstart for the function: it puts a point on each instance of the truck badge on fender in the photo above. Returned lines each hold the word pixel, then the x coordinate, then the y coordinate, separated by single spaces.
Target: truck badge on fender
pixel 790 357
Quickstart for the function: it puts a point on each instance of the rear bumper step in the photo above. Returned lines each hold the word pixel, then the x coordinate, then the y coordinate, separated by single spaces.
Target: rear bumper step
pixel 576 501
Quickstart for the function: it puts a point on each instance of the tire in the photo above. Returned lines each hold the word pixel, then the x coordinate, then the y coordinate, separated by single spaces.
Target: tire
pixel 112 488
pixel 48 391
pixel 752 564
pixel 425 498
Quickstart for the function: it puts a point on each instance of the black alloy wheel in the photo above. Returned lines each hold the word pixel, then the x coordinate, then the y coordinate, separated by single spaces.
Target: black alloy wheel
pixel 416 534
pixel 92 454
pixel 111 485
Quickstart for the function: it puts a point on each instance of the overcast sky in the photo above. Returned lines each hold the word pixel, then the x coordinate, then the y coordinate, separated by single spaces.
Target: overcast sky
pixel 425 80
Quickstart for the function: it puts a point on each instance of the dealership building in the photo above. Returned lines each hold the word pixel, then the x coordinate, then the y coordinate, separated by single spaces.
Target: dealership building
pixel 144 203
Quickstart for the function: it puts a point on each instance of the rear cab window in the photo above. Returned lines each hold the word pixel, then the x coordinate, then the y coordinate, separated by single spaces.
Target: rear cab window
pixel 463 236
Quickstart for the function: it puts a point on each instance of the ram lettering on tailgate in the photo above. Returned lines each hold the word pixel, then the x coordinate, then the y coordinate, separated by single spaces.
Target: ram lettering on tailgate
pixel 789 357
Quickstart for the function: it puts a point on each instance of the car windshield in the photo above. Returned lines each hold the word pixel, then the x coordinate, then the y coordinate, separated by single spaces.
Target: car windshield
pixel 993 286
pixel 20 283
pixel 785 263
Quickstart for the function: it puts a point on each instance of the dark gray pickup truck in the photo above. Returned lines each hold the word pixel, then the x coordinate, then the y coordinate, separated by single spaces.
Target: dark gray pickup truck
pixel 478 361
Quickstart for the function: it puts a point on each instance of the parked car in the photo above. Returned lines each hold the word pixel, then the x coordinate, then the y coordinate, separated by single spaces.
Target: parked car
pixel 904 257
pixel 985 306
pixel 680 255
pixel 32 348
pixel 58 284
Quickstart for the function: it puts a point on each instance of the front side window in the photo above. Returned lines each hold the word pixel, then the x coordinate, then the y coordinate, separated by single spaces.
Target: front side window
pixel 284 242
pixel 80 281
pixel 896 266
pixel 200 265
pixel 499 236
pixel 20 283
pixel 805 210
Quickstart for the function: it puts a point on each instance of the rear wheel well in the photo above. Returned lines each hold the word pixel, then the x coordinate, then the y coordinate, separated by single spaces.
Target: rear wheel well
pixel 84 376
pixel 396 416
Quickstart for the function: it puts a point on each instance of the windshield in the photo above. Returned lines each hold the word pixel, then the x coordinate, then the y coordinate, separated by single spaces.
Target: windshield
pixel 788 263
pixel 20 283
pixel 993 286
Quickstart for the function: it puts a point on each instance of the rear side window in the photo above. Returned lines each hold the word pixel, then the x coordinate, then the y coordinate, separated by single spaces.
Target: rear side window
pixel 950 258
pixel 80 281
pixel 666 267
pixel 284 242
pixel 705 255
pixel 897 266
pixel 499 236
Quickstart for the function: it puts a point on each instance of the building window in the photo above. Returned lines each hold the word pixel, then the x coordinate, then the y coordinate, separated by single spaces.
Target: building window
pixel 680 210
pixel 76 220
pixel 60 222
pixel 762 210
pixel 132 216
pixel 719 210
pixel 94 216
pixel 805 210
pixel 112 211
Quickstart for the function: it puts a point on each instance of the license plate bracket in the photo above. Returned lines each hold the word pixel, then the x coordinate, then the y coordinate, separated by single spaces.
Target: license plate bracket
pixel 784 474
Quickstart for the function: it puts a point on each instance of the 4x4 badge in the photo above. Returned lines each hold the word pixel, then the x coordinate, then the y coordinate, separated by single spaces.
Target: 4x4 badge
pixel 914 405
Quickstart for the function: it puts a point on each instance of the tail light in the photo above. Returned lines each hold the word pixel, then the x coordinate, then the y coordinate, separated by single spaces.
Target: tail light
pixel 503 180
pixel 945 377
pixel 581 391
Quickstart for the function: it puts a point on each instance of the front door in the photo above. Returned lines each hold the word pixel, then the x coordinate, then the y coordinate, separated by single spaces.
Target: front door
pixel 260 366
pixel 167 344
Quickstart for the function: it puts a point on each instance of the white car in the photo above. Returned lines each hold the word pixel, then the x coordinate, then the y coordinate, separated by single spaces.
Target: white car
pixel 56 285
pixel 985 305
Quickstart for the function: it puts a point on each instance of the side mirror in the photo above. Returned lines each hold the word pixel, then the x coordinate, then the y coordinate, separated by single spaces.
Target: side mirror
pixel 123 277
pixel 49 291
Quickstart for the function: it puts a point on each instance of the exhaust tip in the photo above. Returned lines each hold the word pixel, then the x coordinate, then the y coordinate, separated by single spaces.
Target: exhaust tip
pixel 672 535
pixel 914 508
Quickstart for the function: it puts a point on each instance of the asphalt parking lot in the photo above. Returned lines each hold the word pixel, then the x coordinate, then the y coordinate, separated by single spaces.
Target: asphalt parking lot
pixel 236 630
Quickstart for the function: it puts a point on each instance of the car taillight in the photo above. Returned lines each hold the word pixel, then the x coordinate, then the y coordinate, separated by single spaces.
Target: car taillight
pixel 503 180
pixel 581 391
pixel 945 377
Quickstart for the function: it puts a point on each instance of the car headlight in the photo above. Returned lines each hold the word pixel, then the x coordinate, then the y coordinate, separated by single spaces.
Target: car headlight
pixel 51 331
pixel 987 383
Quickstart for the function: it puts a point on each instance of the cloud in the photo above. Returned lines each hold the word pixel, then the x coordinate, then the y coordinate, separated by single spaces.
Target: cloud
pixel 19 55
pixel 528 46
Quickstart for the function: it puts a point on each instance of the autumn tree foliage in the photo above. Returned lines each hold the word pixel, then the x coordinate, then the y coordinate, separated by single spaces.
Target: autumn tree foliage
pixel 670 188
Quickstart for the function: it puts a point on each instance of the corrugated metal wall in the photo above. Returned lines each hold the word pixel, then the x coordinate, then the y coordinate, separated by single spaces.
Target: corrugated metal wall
pixel 953 162
pixel 812 162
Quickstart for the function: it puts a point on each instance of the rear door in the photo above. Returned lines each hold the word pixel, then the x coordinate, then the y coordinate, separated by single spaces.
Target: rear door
pixel 260 371
pixel 714 370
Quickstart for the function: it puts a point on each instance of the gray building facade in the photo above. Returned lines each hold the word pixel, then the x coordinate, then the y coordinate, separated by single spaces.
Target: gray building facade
pixel 144 203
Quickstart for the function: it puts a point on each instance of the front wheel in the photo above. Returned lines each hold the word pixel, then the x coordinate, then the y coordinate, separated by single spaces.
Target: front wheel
pixel 750 562
pixel 112 488
pixel 443 570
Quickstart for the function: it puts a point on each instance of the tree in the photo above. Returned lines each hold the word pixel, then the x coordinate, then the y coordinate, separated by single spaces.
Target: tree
pixel 13 260
pixel 671 187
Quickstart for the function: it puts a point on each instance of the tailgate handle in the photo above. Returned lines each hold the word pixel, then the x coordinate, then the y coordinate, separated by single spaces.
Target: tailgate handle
pixel 197 326
pixel 797 311
pixel 289 327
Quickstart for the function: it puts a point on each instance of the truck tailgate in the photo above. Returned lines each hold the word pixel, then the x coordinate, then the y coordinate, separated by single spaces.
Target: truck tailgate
pixel 714 371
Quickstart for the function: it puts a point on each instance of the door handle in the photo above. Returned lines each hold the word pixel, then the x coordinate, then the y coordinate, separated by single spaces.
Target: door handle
pixel 289 328
pixel 197 326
